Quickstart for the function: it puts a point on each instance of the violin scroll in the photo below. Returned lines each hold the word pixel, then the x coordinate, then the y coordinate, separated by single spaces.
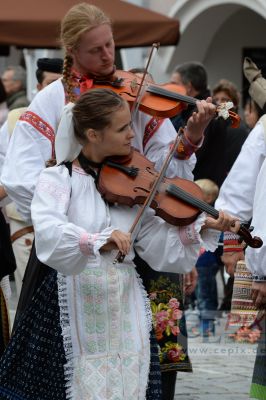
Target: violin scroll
pixel 223 110
pixel 245 235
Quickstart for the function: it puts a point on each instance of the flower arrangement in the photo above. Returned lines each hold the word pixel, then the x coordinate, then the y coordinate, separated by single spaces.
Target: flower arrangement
pixel 172 352
pixel 246 334
pixel 166 319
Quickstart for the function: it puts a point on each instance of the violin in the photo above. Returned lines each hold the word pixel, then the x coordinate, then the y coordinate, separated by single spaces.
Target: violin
pixel 165 101
pixel 178 201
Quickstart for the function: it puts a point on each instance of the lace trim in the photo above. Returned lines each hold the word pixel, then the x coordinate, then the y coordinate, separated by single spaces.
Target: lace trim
pixel 87 243
pixel 189 235
pixel 230 236
pixel 144 379
pixel 83 244
pixel 66 334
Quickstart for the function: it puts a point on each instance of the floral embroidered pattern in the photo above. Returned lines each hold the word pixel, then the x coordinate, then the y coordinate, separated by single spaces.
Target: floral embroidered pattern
pixel 41 126
pixel 246 334
pixel 87 242
pixel 109 365
pixel 173 352
pixel 189 235
pixel 121 373
pixel 60 193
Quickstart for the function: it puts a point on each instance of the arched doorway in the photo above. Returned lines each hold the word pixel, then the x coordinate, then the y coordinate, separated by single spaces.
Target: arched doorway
pixel 215 32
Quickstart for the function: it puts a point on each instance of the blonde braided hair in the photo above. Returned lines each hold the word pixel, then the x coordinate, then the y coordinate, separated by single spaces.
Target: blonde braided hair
pixel 79 19
pixel 67 77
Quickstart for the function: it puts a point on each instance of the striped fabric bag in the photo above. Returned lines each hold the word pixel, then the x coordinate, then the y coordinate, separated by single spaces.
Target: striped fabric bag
pixel 243 311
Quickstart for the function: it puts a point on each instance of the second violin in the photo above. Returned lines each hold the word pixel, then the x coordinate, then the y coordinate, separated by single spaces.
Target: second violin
pixel 163 101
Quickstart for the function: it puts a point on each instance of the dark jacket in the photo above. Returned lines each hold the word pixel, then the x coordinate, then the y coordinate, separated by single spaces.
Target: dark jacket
pixel 17 100
pixel 220 147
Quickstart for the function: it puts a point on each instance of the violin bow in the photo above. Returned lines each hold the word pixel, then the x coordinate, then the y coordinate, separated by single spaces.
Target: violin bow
pixel 141 88
pixel 120 257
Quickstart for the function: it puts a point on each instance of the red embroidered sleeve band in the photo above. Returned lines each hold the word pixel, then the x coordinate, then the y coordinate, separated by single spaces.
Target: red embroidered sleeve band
pixel 231 243
pixel 186 148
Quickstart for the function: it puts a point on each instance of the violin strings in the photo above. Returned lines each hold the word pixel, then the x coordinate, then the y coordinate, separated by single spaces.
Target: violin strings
pixel 181 194
pixel 171 95
pixel 175 190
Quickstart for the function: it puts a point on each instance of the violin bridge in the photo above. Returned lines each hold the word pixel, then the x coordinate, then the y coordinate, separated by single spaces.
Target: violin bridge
pixel 134 85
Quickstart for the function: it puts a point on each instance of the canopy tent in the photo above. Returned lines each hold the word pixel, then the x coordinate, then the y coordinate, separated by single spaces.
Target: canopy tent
pixel 36 24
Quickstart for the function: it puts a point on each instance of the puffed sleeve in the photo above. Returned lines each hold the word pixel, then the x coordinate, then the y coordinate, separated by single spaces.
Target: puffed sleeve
pixel 170 248
pixel 60 244
pixel 256 258
pixel 31 146
pixel 237 192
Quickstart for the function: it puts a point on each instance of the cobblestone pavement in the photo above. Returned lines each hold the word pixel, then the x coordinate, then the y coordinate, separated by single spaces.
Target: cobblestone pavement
pixel 222 369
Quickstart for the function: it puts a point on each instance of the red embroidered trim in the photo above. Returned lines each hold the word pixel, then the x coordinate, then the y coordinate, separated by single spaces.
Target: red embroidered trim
pixel 152 126
pixel 186 148
pixel 41 126
pixel 232 245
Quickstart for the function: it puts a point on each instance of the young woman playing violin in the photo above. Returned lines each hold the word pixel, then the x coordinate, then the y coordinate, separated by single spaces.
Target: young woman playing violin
pixel 86 331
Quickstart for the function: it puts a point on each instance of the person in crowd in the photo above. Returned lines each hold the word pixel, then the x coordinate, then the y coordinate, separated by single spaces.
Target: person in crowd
pixel 87 39
pixel 252 113
pixel 208 264
pixel 225 91
pixel 210 162
pixel 48 70
pixel 88 314
pixel 3 105
pixel 14 80
pixel 243 193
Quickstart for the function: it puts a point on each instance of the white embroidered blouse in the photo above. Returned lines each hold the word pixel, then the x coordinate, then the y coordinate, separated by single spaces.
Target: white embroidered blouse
pixel 108 317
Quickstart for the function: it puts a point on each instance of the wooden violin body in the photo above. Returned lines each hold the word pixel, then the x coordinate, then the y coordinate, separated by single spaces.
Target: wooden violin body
pixel 164 101
pixel 127 85
pixel 117 186
pixel 178 201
